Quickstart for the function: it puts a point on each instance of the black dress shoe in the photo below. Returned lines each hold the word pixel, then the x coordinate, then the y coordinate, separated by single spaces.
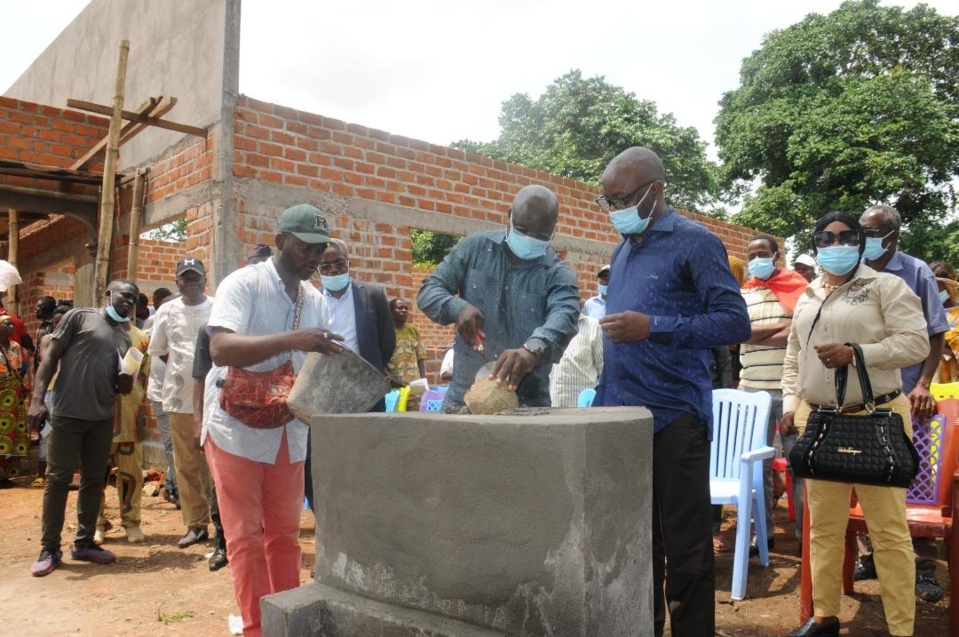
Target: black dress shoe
pixel 218 560
pixel 754 545
pixel 812 629
pixel 865 569
pixel 194 535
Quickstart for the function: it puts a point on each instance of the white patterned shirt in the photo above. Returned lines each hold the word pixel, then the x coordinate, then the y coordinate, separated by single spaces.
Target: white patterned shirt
pixel 174 333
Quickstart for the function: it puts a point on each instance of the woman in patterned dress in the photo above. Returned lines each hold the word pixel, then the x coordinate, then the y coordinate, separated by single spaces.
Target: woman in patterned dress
pixel 14 440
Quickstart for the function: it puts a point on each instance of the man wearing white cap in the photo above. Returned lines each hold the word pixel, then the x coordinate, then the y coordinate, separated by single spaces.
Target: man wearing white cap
pixel 805 266
pixel 596 306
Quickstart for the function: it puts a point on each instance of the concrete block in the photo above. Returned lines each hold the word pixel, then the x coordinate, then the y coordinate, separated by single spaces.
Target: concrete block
pixel 532 524
pixel 321 611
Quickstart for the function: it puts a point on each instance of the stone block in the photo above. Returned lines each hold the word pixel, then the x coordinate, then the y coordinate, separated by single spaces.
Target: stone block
pixel 528 524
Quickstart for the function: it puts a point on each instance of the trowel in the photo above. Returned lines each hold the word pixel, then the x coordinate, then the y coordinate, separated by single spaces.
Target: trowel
pixel 486 369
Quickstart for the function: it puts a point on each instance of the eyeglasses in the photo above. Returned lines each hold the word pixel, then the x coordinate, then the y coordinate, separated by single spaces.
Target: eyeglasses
pixel 337 266
pixel 825 239
pixel 618 203
pixel 541 236
pixel 877 233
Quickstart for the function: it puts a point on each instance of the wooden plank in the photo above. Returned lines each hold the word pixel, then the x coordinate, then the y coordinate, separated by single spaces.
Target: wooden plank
pixel 108 193
pixel 146 108
pixel 161 109
pixel 36 171
pixel 136 117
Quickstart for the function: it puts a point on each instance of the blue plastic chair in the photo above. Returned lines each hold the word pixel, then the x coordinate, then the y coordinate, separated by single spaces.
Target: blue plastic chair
pixel 736 459
pixel 392 399
pixel 585 398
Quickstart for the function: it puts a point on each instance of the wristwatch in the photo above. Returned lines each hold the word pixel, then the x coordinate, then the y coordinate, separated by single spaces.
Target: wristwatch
pixel 535 347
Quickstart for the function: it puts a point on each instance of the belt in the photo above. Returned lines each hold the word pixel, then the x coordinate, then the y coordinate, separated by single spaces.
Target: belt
pixel 851 409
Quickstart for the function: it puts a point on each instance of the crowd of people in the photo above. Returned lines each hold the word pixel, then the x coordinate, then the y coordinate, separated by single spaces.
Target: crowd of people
pixel 673 318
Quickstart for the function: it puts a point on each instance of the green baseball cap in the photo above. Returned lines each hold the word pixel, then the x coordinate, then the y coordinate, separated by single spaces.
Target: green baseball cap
pixel 306 223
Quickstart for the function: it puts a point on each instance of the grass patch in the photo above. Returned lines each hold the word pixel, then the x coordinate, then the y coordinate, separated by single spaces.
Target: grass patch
pixel 169 618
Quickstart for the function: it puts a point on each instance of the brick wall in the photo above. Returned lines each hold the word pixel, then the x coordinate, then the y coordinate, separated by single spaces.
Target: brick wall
pixel 280 145
pixel 40 134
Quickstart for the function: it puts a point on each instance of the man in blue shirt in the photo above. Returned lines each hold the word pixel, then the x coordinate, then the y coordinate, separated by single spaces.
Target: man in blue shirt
pixel 595 307
pixel 510 293
pixel 881 224
pixel 671 297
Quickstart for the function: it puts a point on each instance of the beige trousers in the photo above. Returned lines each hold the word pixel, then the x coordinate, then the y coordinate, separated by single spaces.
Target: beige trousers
pixel 192 474
pixel 884 509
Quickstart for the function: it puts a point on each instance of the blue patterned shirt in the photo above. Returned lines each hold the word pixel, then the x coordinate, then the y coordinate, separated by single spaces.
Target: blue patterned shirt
pixel 536 299
pixel 679 275
pixel 922 281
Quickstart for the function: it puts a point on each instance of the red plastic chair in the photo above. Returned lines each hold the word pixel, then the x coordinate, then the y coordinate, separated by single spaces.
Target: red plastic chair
pixel 930 506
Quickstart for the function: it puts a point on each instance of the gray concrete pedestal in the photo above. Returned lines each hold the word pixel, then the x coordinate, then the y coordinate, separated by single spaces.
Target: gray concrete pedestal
pixel 533 524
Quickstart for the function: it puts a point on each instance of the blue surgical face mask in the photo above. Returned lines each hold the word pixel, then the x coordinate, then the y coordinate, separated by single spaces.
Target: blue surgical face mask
pixel 335 283
pixel 762 269
pixel 602 289
pixel 627 221
pixel 838 260
pixel 525 248
pixel 115 316
pixel 944 296
pixel 874 248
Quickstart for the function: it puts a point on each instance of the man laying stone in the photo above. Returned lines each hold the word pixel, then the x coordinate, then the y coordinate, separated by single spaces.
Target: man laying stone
pixel 512 299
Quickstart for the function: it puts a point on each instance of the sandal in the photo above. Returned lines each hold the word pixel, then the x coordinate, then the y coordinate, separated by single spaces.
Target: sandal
pixel 720 545
pixel 39 482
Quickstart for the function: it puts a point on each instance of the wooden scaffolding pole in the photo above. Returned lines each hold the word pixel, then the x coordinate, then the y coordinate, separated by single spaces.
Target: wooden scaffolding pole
pixel 136 212
pixel 13 254
pixel 108 195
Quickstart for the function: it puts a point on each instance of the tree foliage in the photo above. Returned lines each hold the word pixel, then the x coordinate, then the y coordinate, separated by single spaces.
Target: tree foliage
pixel 846 110
pixel 578 125
pixel 430 248
pixel 175 231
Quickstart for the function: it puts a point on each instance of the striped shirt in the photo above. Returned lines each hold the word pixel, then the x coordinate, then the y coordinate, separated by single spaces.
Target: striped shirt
pixel 762 364
pixel 580 366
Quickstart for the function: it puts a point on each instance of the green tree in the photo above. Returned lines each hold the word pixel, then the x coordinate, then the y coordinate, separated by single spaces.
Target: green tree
pixel 430 248
pixel 846 110
pixel 174 231
pixel 578 125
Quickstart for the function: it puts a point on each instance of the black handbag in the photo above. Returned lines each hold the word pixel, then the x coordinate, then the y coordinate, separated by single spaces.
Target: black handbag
pixel 863 449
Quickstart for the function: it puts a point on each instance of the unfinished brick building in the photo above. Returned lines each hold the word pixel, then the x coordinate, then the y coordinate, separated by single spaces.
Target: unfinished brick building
pixel 256 159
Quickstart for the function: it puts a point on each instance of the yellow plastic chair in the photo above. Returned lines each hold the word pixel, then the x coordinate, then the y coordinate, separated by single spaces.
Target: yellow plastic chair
pixel 404 396
pixel 942 391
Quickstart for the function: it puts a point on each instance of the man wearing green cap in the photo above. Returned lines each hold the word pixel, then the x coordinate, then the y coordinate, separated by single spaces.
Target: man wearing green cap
pixel 265 315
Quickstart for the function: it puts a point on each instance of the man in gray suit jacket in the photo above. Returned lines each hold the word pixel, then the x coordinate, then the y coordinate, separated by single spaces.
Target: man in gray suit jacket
pixel 360 313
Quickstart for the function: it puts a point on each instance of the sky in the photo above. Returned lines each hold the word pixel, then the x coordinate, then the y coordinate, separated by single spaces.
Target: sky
pixel 439 70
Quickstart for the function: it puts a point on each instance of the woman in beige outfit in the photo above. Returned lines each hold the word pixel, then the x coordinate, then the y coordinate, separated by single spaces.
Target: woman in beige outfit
pixel 852 303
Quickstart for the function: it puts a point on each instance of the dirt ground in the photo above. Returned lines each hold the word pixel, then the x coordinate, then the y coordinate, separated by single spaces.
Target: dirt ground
pixel 157 589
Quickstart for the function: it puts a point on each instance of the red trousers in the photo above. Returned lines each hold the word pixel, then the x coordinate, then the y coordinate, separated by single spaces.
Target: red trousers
pixel 260 505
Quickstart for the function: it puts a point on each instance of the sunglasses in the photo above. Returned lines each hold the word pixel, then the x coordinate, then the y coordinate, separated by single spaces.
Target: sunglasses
pixel 824 239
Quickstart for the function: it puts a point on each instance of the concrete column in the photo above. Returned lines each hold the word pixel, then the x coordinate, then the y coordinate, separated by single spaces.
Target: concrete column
pixel 534 524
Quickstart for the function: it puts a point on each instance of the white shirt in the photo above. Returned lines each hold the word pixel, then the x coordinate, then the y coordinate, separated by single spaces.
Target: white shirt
pixel 580 365
pixel 343 317
pixel 157 367
pixel 447 365
pixel 595 307
pixel 253 301
pixel 174 334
